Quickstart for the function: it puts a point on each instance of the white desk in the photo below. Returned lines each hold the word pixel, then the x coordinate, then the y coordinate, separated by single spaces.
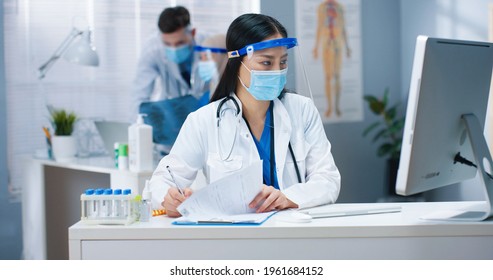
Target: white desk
pixel 384 236
pixel 51 199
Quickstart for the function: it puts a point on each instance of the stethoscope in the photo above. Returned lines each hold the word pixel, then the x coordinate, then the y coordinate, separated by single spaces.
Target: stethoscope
pixel 220 113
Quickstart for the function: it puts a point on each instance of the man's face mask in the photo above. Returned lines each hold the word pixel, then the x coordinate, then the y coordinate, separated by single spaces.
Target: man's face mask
pixel 178 54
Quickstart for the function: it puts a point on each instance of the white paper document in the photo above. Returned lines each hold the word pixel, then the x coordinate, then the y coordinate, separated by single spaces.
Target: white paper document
pixel 226 200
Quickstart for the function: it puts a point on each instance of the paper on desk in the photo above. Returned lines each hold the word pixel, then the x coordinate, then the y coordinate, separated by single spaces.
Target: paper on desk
pixel 250 218
pixel 225 197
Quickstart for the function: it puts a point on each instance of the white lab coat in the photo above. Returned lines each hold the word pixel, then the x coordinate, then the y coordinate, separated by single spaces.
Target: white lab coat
pixel 296 119
pixel 153 65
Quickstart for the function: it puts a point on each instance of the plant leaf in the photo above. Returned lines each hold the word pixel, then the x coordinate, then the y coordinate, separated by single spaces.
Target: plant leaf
pixel 62 121
pixel 383 132
pixel 401 122
pixel 391 113
pixel 370 98
pixel 385 99
pixel 396 149
pixel 370 128
pixel 377 107
pixel 384 149
pixel 397 126
pixel 394 127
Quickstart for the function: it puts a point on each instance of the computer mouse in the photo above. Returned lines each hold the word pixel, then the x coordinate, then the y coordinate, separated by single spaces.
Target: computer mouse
pixel 295 217
pixel 301 217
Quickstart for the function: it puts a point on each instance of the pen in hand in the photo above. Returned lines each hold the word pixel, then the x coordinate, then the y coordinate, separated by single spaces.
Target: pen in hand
pixel 174 181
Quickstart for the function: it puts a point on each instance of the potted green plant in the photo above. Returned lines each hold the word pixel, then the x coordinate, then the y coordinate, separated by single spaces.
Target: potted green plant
pixel 388 131
pixel 64 143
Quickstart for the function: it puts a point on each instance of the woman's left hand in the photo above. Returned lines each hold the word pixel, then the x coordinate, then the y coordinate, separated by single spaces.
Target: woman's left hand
pixel 272 199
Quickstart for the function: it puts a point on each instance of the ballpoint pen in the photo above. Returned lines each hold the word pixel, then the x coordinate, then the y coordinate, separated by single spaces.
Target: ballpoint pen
pixel 174 181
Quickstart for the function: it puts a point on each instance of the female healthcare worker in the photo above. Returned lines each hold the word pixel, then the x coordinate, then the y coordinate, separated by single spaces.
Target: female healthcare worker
pixel 252 117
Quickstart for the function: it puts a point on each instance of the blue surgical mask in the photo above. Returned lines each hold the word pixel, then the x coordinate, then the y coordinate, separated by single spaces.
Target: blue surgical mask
pixel 179 54
pixel 265 85
pixel 207 70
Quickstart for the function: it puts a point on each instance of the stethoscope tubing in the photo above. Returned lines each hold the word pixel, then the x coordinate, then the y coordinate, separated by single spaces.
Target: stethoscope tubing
pixel 238 111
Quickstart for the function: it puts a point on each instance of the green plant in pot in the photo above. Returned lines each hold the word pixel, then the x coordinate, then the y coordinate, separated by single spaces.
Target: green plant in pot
pixel 63 121
pixel 64 143
pixel 388 131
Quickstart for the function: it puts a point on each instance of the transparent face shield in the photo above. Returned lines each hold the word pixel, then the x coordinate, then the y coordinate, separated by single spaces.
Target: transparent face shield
pixel 210 62
pixel 265 68
pixel 264 73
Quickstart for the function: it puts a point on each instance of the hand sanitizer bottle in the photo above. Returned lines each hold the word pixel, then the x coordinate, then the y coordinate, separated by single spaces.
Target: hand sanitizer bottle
pixel 140 146
pixel 146 206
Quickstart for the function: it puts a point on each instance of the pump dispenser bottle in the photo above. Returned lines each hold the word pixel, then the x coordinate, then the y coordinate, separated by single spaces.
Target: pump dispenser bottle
pixel 140 146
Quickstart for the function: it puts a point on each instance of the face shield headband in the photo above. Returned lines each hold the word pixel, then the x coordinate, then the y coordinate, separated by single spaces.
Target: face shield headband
pixel 249 49
pixel 211 49
pixel 288 43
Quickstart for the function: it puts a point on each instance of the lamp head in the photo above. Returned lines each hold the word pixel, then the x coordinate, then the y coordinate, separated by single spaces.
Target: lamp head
pixel 82 52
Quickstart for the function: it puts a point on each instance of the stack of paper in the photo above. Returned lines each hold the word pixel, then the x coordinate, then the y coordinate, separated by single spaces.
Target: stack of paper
pixel 226 200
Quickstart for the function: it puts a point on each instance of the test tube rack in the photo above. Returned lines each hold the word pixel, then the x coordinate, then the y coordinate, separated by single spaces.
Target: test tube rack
pixel 109 209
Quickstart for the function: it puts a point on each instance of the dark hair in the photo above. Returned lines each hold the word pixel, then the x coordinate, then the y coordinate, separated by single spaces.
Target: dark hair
pixel 172 19
pixel 244 30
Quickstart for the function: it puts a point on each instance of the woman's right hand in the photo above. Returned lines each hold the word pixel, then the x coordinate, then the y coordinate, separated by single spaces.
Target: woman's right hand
pixel 173 199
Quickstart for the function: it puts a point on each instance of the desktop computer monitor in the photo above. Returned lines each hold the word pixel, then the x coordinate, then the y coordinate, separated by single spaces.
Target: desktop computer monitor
pixel 443 141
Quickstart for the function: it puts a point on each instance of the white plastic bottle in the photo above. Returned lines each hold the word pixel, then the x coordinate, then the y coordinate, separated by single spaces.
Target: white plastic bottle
pixel 140 146
pixel 146 206
pixel 123 156
pixel 116 148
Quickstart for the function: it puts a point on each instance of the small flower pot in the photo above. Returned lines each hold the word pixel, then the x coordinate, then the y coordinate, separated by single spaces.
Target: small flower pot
pixel 64 148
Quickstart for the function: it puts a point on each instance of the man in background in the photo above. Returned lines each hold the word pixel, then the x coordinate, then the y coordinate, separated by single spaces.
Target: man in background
pixel 168 57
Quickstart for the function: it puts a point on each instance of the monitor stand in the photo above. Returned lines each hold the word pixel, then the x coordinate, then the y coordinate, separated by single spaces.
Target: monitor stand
pixel 482 157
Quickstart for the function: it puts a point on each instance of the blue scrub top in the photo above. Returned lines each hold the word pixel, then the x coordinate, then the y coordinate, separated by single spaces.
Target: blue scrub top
pixel 263 148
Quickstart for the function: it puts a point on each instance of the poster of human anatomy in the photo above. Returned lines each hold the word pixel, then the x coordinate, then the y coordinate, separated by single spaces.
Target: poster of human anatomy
pixel 329 37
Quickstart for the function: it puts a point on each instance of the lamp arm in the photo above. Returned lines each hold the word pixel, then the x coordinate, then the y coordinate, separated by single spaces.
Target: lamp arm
pixel 58 52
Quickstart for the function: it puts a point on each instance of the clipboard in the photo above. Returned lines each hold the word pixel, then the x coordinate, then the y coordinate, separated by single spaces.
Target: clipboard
pixel 233 220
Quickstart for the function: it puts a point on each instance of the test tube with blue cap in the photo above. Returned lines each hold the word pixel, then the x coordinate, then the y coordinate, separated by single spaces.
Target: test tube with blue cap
pixel 97 202
pixel 127 202
pixel 90 205
pixel 107 203
pixel 117 209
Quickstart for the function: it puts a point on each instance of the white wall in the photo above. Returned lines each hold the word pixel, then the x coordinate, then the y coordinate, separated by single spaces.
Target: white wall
pixel 454 19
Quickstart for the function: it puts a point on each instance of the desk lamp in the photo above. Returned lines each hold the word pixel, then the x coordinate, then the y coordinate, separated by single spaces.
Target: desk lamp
pixel 79 52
